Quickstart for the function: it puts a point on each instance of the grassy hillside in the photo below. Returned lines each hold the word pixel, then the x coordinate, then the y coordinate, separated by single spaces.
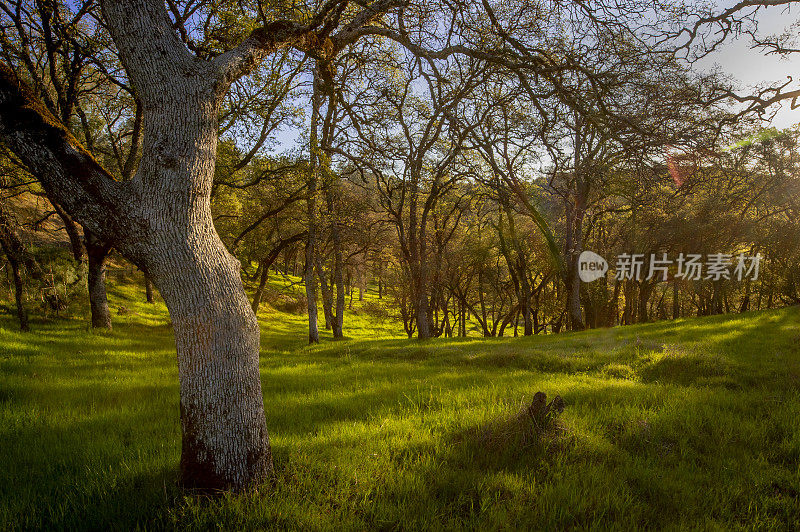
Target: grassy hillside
pixel 692 423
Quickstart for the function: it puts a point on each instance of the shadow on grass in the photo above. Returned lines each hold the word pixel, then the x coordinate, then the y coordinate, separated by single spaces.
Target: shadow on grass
pixel 97 474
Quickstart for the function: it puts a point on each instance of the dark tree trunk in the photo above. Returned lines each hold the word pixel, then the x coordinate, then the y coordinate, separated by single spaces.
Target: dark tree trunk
pixel 148 289
pixel 19 287
pixel 422 317
pixel 716 298
pixel 645 292
pixel 311 219
pixel 338 271
pixel 75 241
pixel 18 257
pixel 327 297
pixel 258 271
pixel 744 306
pixel 262 282
pixel 265 263
pixel 97 251
pixel 676 302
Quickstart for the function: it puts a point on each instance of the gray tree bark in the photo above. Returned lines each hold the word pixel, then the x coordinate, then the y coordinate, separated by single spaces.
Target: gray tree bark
pixel 161 220
pixel 225 442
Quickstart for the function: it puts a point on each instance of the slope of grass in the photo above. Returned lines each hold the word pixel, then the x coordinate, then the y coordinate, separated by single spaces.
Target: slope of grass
pixel 693 423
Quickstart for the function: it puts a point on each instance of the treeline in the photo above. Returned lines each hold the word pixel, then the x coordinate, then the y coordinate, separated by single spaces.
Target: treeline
pixel 458 189
pixel 473 258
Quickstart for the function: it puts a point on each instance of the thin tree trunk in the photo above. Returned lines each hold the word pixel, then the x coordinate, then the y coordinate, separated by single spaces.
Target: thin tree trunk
pixel 148 289
pixel 311 213
pixel 645 292
pixel 327 297
pixel 576 210
pixel 71 228
pixel 258 271
pixel 676 302
pixel 262 282
pixel 338 268
pixel 19 287
pixel 422 317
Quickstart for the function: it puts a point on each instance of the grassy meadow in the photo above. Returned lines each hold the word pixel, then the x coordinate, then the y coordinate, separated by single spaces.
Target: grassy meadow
pixel 687 424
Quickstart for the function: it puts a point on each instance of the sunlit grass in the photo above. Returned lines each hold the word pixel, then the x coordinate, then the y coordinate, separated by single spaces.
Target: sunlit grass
pixel 691 423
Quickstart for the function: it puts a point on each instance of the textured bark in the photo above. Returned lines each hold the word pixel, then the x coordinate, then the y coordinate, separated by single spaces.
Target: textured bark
pixel 225 442
pixel 161 220
pixel 97 251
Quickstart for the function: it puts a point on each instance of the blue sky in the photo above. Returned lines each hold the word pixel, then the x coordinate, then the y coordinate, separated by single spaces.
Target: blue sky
pixel 752 67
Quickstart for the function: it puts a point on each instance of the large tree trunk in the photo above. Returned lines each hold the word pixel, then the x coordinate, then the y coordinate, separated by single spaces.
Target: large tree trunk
pixel 97 251
pixel 161 221
pixel 225 442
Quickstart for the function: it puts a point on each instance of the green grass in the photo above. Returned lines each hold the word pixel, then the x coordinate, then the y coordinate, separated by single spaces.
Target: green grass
pixel 687 424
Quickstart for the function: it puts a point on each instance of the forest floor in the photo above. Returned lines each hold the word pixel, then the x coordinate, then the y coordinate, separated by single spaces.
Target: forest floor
pixel 693 423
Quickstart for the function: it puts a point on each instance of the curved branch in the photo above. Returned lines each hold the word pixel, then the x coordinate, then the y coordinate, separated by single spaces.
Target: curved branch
pixel 67 171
